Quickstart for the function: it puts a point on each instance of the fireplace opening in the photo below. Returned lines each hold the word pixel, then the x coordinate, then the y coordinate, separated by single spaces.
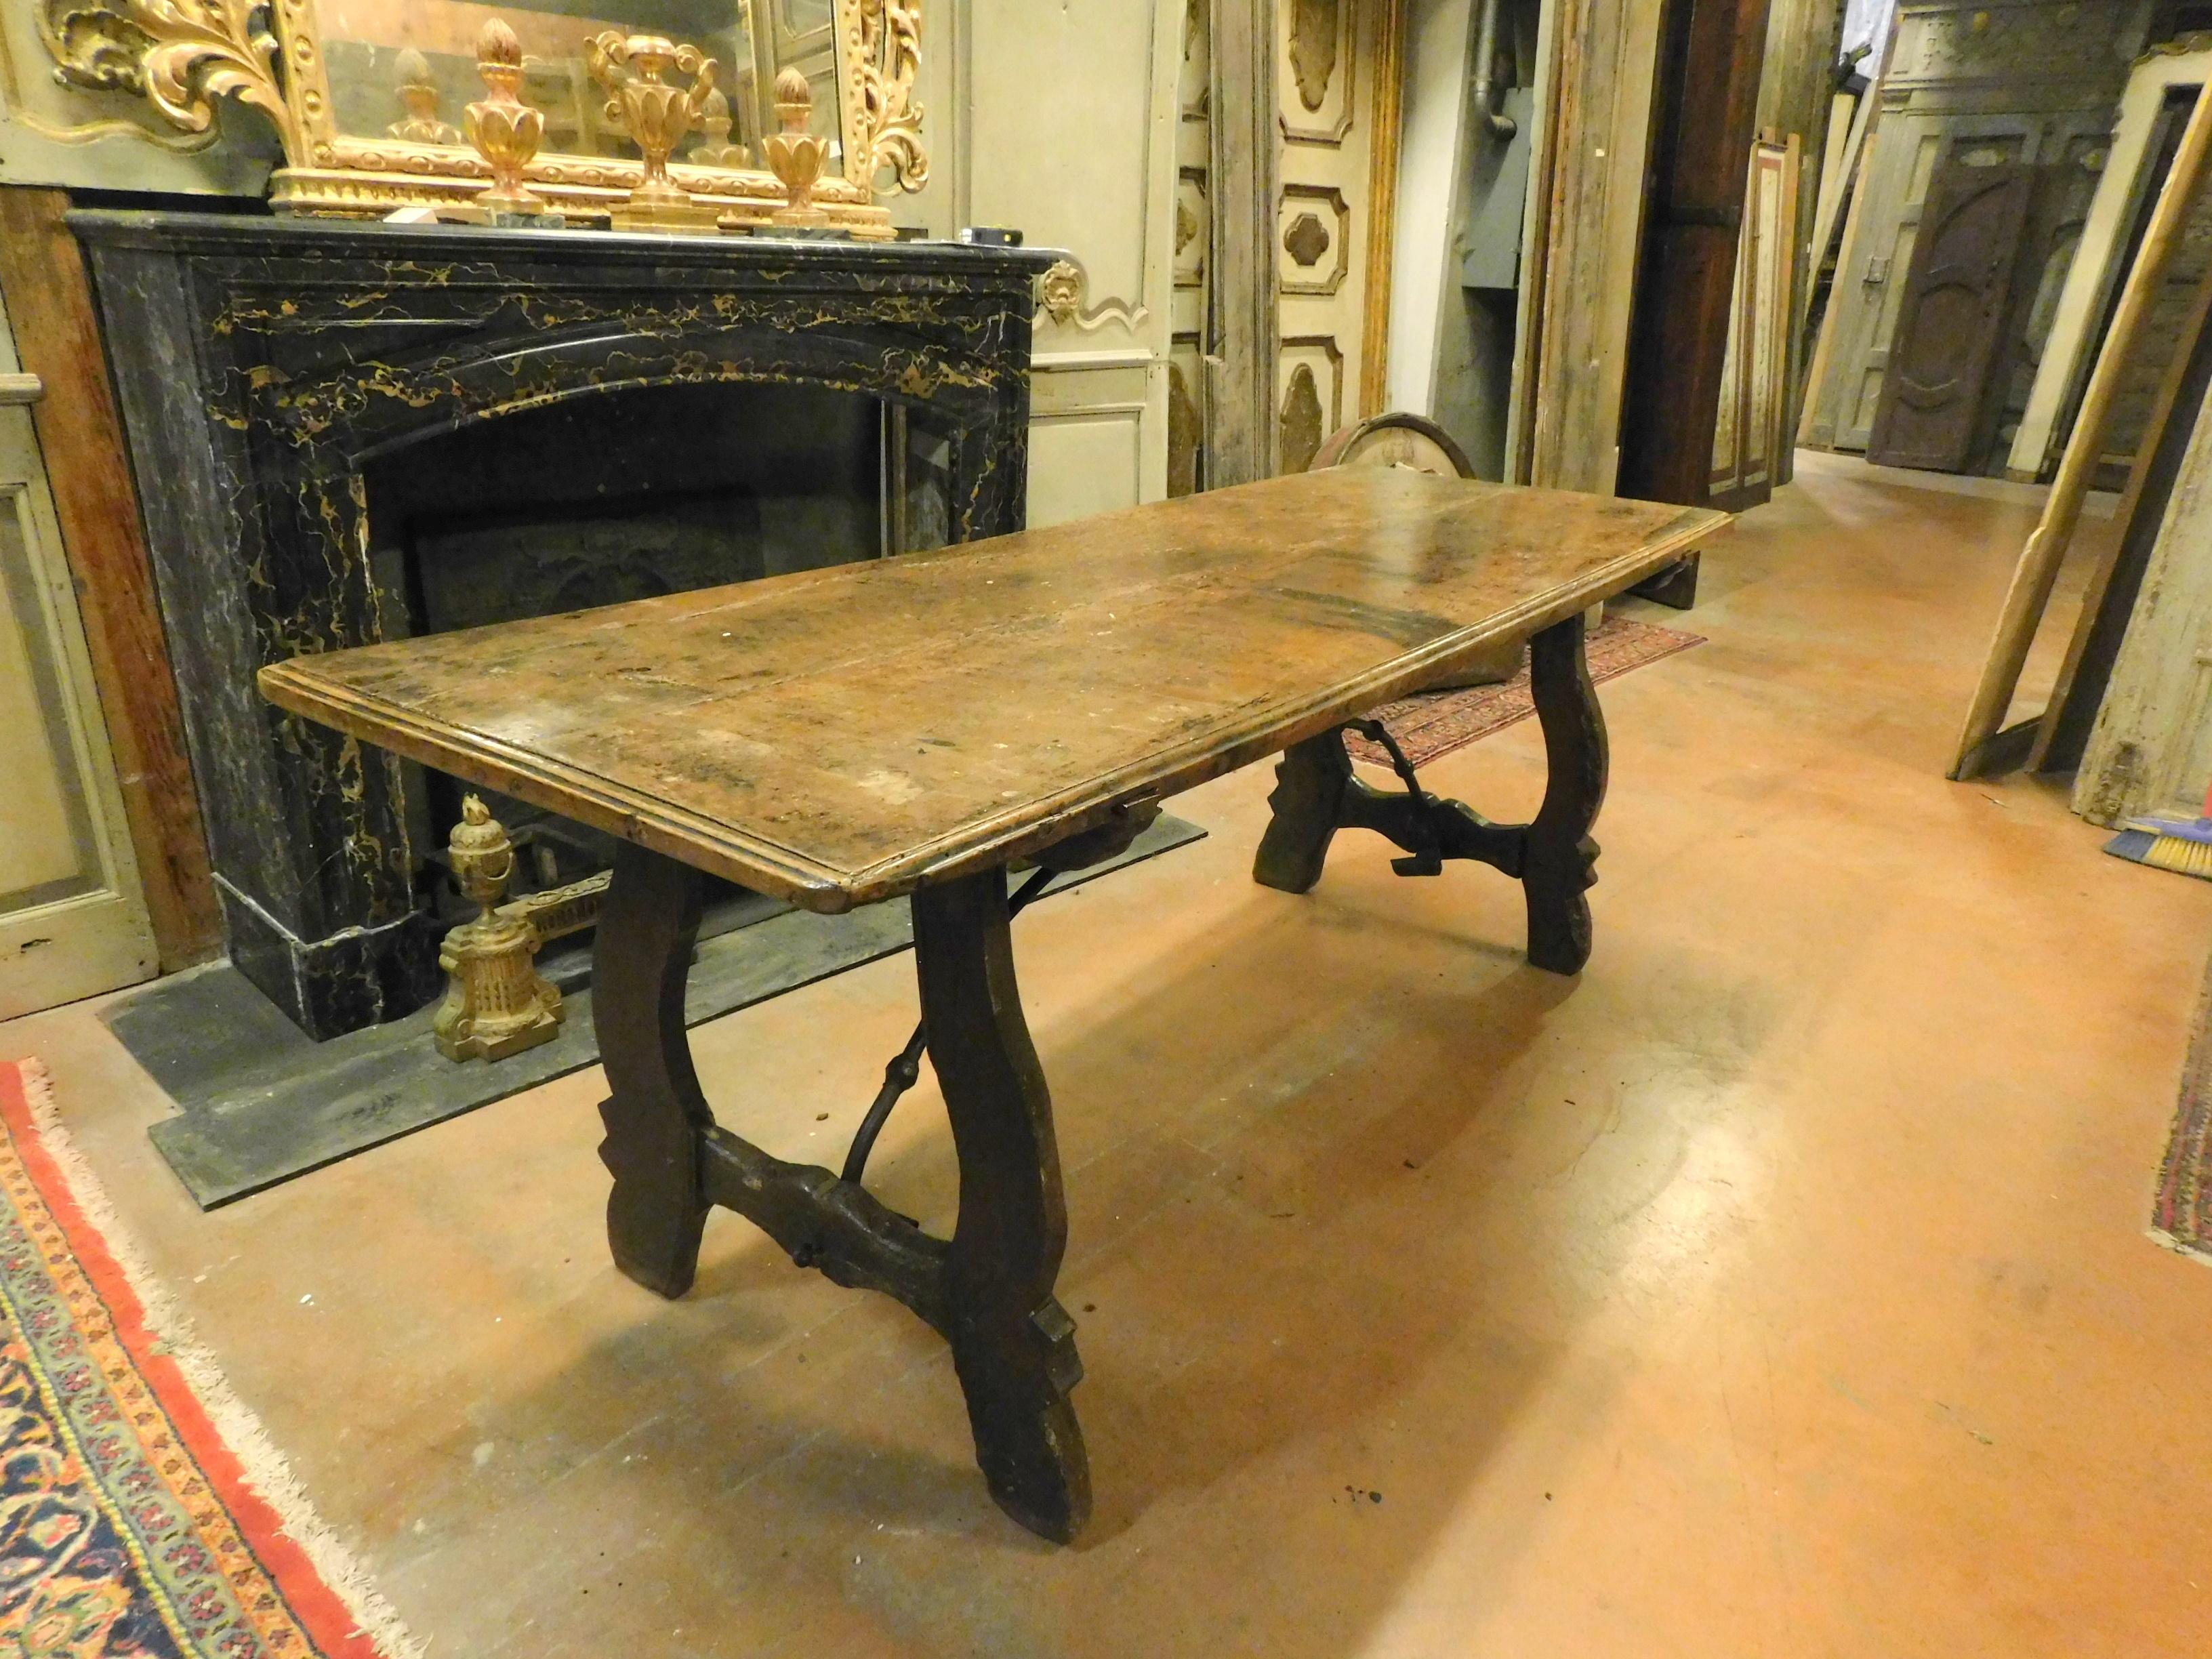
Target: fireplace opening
pixel 597 500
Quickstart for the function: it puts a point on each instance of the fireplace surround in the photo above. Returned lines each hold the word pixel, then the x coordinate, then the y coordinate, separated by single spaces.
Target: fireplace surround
pixel 346 433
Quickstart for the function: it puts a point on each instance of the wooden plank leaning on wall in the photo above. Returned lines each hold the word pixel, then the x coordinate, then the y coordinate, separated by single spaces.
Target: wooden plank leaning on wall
pixel 1602 65
pixel 58 335
pixel 1986 746
pixel 1710 55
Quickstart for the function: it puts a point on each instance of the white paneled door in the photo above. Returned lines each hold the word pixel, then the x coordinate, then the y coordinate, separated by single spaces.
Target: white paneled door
pixel 1075 145
pixel 72 918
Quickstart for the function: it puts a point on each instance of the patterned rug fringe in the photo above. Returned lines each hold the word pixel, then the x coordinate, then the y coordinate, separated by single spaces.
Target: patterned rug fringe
pixel 2181 1210
pixel 267 1472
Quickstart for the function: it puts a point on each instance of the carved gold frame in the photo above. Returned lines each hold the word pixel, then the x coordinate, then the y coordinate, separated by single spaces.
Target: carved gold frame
pixel 269 54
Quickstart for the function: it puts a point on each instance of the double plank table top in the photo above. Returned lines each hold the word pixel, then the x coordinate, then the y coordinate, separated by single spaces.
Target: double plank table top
pixel 841 735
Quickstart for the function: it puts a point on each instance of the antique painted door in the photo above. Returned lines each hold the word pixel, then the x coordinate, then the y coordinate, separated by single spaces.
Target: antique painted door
pixel 1953 309
pixel 1747 437
pixel 1336 85
pixel 2151 750
pixel 73 919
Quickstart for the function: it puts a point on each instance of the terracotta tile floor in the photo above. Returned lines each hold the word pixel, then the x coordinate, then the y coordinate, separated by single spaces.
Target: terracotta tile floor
pixel 1780 1288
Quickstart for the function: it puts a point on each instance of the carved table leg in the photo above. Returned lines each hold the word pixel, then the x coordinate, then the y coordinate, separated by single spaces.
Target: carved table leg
pixel 1012 1343
pixel 1311 782
pixel 656 1115
pixel 1560 861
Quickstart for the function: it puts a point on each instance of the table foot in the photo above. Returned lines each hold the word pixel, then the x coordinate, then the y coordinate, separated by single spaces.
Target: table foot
pixel 1014 1344
pixel 1317 794
pixel 1311 782
pixel 1561 865
pixel 654 1112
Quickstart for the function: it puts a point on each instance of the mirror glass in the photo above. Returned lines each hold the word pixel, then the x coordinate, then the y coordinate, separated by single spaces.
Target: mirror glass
pixel 406 70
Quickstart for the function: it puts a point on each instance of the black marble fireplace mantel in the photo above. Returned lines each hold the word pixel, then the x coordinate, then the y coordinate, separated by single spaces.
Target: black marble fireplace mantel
pixel 267 366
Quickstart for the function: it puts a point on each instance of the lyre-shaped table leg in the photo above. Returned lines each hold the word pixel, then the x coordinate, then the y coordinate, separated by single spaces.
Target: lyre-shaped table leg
pixel 1560 862
pixel 654 1112
pixel 1013 1343
pixel 1311 781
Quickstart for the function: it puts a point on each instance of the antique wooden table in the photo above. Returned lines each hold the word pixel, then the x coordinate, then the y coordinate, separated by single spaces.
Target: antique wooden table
pixel 914 727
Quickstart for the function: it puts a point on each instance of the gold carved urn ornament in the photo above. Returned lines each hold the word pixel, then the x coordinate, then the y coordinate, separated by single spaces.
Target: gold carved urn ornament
pixel 657 115
pixel 507 133
pixel 795 155
pixel 637 127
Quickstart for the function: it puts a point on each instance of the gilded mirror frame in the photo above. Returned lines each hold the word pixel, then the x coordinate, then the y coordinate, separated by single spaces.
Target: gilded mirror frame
pixel 269 54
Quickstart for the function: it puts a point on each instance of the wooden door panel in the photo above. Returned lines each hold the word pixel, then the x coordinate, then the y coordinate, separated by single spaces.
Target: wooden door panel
pixel 73 919
pixel 1747 437
pixel 1335 93
pixel 1954 306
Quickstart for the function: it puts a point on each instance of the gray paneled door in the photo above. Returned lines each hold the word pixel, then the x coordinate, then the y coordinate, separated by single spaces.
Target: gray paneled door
pixel 1953 314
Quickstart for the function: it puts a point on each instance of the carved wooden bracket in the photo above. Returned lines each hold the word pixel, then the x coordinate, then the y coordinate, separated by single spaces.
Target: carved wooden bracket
pixel 1062 292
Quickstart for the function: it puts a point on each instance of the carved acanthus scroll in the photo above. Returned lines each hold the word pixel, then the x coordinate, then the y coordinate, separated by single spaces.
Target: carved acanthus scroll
pixel 95 45
pixel 886 43
pixel 208 49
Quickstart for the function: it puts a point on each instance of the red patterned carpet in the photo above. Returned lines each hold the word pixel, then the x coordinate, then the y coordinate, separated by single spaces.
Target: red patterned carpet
pixel 1436 722
pixel 143 1514
pixel 2181 1216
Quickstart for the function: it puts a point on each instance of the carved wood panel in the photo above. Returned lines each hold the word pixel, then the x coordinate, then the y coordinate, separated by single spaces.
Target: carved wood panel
pixel 1337 89
pixel 1952 311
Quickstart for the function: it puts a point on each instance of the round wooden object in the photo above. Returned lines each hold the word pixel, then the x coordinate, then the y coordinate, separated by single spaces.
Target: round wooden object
pixel 1407 441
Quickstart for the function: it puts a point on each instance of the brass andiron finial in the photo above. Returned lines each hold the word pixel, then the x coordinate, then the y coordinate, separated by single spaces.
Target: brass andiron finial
pixel 656 116
pixel 795 156
pixel 505 131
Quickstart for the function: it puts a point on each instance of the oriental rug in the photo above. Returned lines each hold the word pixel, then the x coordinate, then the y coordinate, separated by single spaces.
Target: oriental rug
pixel 143 1514
pixel 1436 723
pixel 2181 1213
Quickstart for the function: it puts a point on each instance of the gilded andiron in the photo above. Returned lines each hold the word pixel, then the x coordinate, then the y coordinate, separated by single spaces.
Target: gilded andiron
pixel 496 1003
pixel 657 116
pixel 507 133
pixel 795 155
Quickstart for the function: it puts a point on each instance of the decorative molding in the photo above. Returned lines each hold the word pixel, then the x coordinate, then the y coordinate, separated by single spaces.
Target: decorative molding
pixel 1308 211
pixel 1306 357
pixel 1321 50
pixel 2181 46
pixel 886 39
pixel 1062 291
pixel 203 50
pixel 94 132
pixel 1316 47
pixel 1193 230
pixel 94 44
pixel 185 55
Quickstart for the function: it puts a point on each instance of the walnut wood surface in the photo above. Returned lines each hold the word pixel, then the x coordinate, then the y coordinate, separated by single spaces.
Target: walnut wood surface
pixel 841 736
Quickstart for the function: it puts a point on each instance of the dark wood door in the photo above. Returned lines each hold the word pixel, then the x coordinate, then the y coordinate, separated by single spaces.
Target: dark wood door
pixel 1948 326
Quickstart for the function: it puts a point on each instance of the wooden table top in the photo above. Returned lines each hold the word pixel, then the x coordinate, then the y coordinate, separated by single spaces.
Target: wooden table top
pixel 840 736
